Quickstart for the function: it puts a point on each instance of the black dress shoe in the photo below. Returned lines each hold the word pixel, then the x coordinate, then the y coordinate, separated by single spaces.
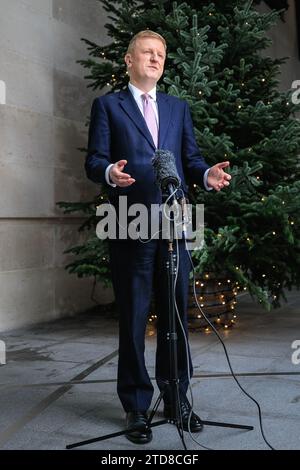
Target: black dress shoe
pixel 137 430
pixel 193 424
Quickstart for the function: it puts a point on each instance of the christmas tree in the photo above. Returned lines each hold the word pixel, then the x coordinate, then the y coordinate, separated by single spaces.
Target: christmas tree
pixel 215 61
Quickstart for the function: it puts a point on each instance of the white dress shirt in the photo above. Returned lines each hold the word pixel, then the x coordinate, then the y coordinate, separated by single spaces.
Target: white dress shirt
pixel 137 95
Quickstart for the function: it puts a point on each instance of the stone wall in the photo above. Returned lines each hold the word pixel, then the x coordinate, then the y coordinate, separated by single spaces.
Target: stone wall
pixel 44 103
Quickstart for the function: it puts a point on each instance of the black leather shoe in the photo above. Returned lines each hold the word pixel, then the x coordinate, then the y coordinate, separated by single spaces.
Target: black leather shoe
pixel 136 427
pixel 194 423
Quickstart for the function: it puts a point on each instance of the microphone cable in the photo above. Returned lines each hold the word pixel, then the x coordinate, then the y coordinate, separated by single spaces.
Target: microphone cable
pixel 183 331
pixel 218 336
pixel 225 350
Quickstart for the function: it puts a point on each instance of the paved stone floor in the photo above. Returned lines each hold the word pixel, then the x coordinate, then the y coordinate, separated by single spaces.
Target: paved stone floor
pixel 59 383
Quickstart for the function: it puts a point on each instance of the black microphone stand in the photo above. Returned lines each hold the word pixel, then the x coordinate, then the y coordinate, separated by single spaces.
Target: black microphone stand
pixel 171 386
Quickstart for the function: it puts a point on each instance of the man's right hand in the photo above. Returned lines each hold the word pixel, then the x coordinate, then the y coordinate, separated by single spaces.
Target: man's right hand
pixel 117 176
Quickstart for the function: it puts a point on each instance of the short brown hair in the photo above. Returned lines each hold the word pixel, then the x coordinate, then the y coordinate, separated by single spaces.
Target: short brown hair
pixel 145 34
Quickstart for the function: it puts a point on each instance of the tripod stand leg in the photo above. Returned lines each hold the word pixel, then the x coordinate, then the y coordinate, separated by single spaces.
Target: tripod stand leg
pixel 95 439
pixel 227 425
pixel 155 407
pixel 110 436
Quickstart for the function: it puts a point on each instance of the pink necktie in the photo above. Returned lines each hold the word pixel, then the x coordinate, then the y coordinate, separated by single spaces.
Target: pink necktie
pixel 150 118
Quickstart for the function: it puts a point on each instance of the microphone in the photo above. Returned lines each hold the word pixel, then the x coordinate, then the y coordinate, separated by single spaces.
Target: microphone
pixel 165 170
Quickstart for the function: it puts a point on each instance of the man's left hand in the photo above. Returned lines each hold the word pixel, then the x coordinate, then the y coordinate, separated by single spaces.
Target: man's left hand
pixel 217 178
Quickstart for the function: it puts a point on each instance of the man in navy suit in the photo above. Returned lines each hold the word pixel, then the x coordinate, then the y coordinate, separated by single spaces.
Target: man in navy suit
pixel 125 130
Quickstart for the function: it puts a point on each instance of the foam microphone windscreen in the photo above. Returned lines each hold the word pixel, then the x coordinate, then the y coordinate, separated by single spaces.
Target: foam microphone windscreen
pixel 165 169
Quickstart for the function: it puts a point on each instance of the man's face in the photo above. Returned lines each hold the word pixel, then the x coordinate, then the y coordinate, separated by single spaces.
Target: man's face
pixel 146 62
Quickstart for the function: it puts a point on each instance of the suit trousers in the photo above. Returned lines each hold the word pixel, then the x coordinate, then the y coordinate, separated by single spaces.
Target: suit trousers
pixel 139 273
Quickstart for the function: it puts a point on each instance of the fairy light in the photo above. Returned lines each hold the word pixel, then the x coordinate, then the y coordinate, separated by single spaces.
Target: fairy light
pixel 274 233
pixel 221 303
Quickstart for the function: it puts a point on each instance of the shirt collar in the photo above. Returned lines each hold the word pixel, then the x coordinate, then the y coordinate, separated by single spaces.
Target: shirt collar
pixel 137 93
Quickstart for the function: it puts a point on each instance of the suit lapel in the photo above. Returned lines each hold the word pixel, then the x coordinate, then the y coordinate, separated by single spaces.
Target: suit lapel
pixel 127 102
pixel 130 107
pixel 164 112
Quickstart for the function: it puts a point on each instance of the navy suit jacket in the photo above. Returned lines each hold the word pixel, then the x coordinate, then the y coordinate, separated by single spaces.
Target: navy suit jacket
pixel 118 131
